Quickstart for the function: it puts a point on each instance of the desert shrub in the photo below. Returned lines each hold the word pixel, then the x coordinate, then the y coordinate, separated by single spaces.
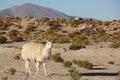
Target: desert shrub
pixel 114 45
pixel 16 39
pixel 18 26
pixel 98 22
pixel 17 56
pixel 71 35
pixel 4 78
pixel 2 39
pixel 58 38
pixel 82 39
pixel 12 71
pixel 2 32
pixel 76 46
pixel 106 23
pixel 111 62
pixel 3 26
pixel 49 30
pixel 30 28
pixel 13 32
pixel 85 64
pixel 46 19
pixel 74 74
pixel 74 23
pixel 74 61
pixel 57 58
pixel 63 31
pixel 50 23
pixel 67 64
pixel 54 25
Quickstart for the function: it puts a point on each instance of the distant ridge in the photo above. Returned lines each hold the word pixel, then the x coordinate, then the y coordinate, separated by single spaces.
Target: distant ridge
pixel 33 10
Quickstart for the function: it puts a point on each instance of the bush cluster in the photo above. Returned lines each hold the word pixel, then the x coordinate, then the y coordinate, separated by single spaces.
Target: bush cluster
pixel 3 39
pixel 85 64
pixel 3 26
pixel 30 28
pixel 67 64
pixel 76 46
pixel 17 56
pixel 17 26
pixel 114 45
pixel 4 78
pixel 82 39
pixel 74 74
pixel 58 38
pixel 14 35
pixel 57 58
pixel 16 39
pixel 111 62
pixel 12 71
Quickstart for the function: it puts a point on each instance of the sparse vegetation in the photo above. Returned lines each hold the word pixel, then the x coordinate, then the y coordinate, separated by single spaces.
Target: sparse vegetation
pixel 111 62
pixel 58 38
pixel 85 64
pixel 57 58
pixel 3 39
pixel 67 64
pixel 114 45
pixel 75 33
pixel 74 74
pixel 16 39
pixel 76 46
pixel 4 78
pixel 12 71
pixel 17 56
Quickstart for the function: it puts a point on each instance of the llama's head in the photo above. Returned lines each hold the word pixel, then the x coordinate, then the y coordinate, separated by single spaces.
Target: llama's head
pixel 49 44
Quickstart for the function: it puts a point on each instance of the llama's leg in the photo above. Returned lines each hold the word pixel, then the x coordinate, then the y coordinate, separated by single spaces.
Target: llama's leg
pixel 27 67
pixel 44 66
pixel 37 67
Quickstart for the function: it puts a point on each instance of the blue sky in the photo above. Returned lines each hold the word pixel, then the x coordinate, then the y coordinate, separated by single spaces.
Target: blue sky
pixel 98 9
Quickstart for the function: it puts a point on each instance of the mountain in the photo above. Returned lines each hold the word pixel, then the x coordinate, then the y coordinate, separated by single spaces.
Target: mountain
pixel 33 10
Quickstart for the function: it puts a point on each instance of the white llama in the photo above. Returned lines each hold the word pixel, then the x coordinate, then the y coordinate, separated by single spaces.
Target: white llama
pixel 36 52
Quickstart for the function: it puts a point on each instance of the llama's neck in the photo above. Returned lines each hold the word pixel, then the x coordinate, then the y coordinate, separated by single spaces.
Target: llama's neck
pixel 47 52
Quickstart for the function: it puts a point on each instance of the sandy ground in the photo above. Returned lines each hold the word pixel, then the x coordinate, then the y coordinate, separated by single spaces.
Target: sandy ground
pixel 100 57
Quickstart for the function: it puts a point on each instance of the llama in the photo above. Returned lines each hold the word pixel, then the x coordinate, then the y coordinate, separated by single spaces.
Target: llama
pixel 36 52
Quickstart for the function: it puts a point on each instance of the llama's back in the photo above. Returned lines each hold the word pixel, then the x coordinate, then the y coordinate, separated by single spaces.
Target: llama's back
pixel 32 51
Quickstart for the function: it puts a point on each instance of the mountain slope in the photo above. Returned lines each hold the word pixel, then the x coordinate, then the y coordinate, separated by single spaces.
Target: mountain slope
pixel 36 11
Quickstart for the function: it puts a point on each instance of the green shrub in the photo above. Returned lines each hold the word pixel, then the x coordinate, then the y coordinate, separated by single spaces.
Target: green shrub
pixel 57 58
pixel 114 45
pixel 111 62
pixel 3 26
pixel 17 26
pixel 30 28
pixel 4 78
pixel 80 39
pixel 85 64
pixel 74 75
pixel 16 39
pixel 67 64
pixel 12 71
pixel 2 39
pixel 13 32
pixel 14 35
pixel 58 38
pixel 2 32
pixel 74 61
pixel 76 46
pixel 17 56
